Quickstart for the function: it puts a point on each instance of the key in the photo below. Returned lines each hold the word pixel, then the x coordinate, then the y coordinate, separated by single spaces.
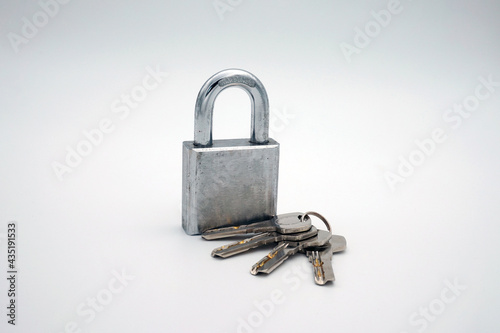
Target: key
pixel 260 240
pixel 283 224
pixel 287 249
pixel 321 259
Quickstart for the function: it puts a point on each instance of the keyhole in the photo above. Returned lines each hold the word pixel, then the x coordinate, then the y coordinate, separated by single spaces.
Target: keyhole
pixel 232 115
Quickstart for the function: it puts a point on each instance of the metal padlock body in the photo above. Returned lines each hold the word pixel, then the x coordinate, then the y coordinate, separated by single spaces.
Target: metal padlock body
pixel 235 181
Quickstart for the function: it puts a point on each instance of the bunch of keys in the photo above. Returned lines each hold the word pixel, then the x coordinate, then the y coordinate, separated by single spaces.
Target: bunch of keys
pixel 294 233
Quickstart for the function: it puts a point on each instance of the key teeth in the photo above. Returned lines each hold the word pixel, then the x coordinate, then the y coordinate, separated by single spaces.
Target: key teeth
pixel 322 275
pixel 258 267
pixel 217 250
pixel 220 254
pixel 323 280
pixel 319 281
pixel 255 268
pixel 218 233
pixel 319 274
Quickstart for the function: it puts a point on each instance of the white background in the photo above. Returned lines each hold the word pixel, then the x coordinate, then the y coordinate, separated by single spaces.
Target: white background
pixel 343 122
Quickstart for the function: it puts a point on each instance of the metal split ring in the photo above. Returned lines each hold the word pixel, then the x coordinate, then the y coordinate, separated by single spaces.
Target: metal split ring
pixel 318 215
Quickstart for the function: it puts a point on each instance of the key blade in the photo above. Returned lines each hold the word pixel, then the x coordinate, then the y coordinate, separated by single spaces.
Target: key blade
pixel 218 233
pixel 321 259
pixel 270 262
pixel 244 245
pixel 322 264
pixel 317 262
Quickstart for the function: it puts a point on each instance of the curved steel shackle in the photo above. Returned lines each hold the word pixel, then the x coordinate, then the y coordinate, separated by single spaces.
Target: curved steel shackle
pixel 203 113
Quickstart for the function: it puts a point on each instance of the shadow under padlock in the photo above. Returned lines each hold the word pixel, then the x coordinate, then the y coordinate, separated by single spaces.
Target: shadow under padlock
pixel 233 181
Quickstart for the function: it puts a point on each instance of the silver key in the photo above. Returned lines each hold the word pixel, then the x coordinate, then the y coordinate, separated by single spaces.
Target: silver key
pixel 260 240
pixel 321 258
pixel 283 224
pixel 287 249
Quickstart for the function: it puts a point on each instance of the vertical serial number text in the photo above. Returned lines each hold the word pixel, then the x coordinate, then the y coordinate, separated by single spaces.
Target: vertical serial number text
pixel 11 272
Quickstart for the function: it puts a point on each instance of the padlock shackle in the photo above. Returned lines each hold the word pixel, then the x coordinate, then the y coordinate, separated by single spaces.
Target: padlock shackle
pixel 204 109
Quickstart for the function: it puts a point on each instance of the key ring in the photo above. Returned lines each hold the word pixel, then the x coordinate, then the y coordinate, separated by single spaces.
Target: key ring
pixel 318 215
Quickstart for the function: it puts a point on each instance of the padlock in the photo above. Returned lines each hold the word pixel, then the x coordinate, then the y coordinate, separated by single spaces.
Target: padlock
pixel 234 181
